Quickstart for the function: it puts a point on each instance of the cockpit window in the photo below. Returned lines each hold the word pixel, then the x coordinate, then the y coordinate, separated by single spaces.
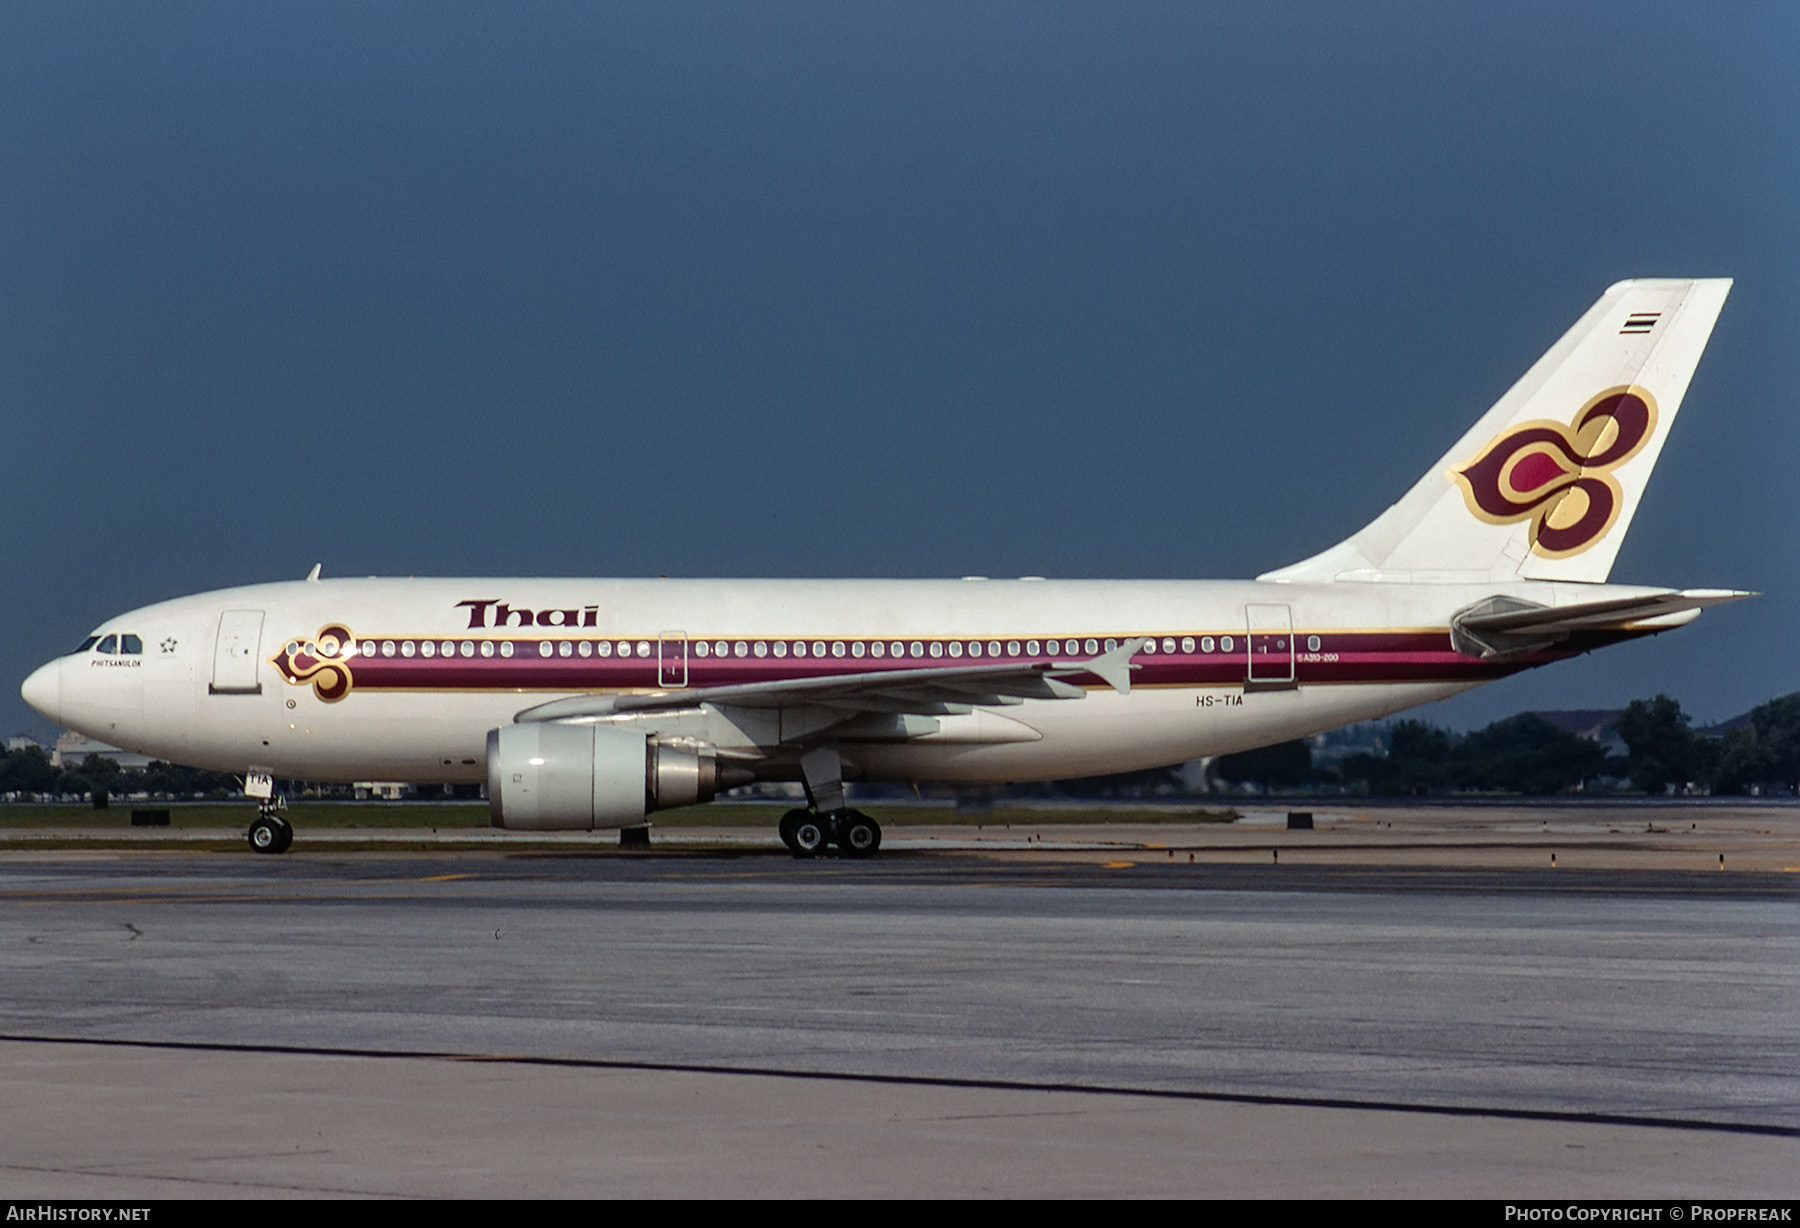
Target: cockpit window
pixel 131 644
pixel 86 644
pixel 109 644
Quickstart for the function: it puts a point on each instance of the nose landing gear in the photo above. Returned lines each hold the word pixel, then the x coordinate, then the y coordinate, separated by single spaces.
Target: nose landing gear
pixel 270 832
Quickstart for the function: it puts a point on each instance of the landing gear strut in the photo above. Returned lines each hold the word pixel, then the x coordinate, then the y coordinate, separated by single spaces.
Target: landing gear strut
pixel 270 832
pixel 830 820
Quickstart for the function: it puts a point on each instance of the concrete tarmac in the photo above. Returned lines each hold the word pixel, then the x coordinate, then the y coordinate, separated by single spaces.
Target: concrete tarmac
pixel 979 1022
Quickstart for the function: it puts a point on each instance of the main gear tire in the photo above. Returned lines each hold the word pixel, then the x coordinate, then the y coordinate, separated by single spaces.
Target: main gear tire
pixel 785 828
pixel 810 835
pixel 857 834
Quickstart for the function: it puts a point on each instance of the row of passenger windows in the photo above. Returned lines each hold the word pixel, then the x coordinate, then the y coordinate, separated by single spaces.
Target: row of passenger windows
pixel 129 645
pixel 898 649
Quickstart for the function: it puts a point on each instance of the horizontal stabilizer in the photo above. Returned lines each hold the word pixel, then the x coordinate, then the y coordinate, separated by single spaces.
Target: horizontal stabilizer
pixel 1498 627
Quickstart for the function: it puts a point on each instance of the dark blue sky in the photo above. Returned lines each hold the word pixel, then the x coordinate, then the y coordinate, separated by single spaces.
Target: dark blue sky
pixel 840 290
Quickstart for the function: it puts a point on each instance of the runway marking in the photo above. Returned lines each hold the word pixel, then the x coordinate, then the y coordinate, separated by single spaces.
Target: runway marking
pixel 124 1172
pixel 288 897
pixel 1116 865
pixel 443 878
pixel 834 1076
pixel 139 892
pixel 144 899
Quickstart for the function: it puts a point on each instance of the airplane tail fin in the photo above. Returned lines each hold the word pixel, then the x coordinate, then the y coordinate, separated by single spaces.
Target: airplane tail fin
pixel 1544 486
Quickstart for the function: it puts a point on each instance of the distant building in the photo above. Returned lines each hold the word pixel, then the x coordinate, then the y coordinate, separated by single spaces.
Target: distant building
pixel 381 790
pixel 71 748
pixel 23 741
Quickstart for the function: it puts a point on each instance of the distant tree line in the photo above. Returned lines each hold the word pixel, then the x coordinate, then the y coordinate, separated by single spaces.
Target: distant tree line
pixel 1522 754
pixel 1762 755
pixel 1527 754
pixel 29 771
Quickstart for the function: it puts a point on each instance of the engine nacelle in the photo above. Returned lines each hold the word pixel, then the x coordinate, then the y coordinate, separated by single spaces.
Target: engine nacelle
pixel 543 776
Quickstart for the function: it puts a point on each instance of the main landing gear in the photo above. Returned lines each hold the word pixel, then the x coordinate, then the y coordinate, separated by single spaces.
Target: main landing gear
pixel 808 834
pixel 829 820
pixel 270 832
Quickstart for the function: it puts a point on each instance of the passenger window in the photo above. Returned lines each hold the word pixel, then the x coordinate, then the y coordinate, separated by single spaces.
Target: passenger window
pixel 109 644
pixel 131 644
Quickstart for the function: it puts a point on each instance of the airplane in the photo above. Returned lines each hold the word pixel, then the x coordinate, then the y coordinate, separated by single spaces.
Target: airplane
pixel 588 704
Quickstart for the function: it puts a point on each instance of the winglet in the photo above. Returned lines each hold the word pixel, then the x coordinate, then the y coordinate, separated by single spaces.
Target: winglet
pixel 312 577
pixel 1113 668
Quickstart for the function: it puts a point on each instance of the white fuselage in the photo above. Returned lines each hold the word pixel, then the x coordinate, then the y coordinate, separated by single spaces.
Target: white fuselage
pixel 229 680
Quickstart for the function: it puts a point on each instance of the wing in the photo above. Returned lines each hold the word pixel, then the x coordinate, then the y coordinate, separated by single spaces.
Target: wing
pixel 923 692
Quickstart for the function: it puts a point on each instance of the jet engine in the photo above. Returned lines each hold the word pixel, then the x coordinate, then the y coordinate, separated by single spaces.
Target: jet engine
pixel 543 776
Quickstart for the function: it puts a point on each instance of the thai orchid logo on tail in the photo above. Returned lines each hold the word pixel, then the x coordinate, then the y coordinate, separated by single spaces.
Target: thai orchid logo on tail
pixel 1560 477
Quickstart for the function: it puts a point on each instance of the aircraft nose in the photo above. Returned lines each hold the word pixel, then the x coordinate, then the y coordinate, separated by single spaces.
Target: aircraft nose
pixel 43 690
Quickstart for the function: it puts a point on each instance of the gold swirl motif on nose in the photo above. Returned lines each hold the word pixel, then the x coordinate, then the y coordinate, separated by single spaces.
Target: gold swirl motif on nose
pixel 323 661
pixel 1560 477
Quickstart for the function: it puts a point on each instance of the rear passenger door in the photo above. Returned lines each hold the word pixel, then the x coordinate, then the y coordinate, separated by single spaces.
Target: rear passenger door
pixel 1269 644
